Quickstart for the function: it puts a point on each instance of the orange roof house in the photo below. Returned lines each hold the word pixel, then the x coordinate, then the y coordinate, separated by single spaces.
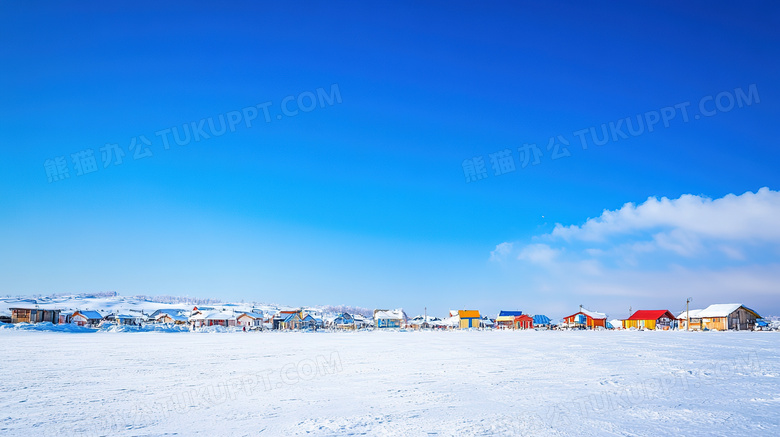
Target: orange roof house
pixel 469 319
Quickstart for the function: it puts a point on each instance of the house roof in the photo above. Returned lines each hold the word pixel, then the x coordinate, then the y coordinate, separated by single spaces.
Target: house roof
pixel 650 315
pixel 169 311
pixel 40 307
pixel 591 314
pixel 174 317
pixel 290 317
pixel 218 315
pixel 540 319
pixel 510 313
pixel 90 314
pixel 398 314
pixel 694 314
pixel 724 309
pixel 523 317
pixel 251 315
pixel 468 314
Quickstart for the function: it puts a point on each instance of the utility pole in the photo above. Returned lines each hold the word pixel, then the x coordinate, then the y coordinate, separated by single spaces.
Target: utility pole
pixel 687 314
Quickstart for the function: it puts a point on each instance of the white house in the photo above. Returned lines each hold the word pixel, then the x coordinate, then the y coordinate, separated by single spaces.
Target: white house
pixel 390 319
pixel 250 320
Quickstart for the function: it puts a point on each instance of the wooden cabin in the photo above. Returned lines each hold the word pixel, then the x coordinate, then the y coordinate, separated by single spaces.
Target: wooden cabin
pixel 469 319
pixel 34 315
pixel 729 316
pixel 651 319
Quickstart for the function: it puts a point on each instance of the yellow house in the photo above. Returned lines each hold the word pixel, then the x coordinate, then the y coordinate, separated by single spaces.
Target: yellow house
pixel 651 319
pixel 469 319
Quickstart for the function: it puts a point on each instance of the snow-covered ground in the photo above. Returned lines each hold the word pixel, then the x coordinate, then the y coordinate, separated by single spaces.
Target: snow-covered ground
pixel 390 383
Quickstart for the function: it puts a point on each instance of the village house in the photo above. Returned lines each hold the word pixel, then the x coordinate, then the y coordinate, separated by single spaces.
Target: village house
pixel 541 321
pixel 506 319
pixel 250 320
pixel 523 321
pixel 390 319
pixel 220 318
pixel 34 315
pixel 124 319
pixel 200 318
pixel 361 321
pixel 425 322
pixel 343 321
pixel 171 318
pixel 65 317
pixel 585 319
pixel 469 319
pixel 682 320
pixel 288 320
pixel 651 319
pixel 729 316
pixel 170 315
pixel 310 322
pixel 86 318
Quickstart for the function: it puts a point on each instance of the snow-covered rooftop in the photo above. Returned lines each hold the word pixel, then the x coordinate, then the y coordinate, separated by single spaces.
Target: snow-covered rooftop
pixel 398 314
pixel 91 314
pixel 694 314
pixel 722 310
pixel 591 314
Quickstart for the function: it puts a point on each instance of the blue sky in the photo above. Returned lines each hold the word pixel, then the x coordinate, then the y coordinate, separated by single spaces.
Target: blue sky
pixel 365 201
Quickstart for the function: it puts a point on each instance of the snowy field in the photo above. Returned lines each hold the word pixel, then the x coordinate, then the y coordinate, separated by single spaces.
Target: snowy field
pixel 390 383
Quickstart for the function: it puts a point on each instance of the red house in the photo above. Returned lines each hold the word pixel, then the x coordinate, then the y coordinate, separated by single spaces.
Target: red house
pixel 524 322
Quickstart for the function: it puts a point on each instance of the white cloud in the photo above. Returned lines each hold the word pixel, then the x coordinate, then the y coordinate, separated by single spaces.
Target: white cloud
pixel 538 254
pixel 658 252
pixel 750 216
pixel 501 251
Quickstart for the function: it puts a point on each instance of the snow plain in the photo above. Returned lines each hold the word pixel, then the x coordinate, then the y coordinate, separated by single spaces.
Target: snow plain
pixel 627 383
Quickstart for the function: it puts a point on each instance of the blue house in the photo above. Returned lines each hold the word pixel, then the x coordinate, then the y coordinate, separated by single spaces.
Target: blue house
pixel 541 321
pixel 344 321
